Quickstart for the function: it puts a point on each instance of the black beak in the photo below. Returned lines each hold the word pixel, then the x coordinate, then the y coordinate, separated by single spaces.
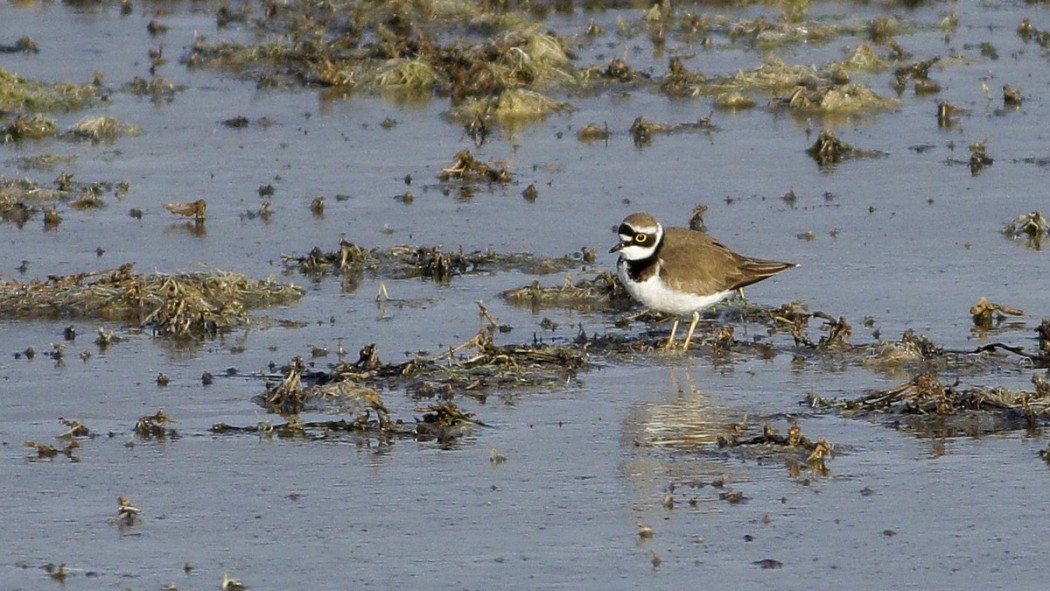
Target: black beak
pixel 618 247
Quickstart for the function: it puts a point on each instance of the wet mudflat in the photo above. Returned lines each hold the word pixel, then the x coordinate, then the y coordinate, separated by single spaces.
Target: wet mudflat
pixel 579 456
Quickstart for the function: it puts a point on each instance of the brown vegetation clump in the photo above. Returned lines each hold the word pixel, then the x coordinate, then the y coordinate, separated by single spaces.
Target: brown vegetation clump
pixel 180 305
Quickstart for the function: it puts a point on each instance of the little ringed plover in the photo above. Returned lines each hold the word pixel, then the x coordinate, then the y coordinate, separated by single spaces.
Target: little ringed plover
pixel 679 271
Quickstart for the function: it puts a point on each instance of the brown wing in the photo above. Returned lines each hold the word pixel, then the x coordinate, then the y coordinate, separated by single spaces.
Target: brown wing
pixel 704 265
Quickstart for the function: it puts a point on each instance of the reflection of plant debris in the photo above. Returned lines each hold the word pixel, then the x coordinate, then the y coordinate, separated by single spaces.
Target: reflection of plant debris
pixel 181 305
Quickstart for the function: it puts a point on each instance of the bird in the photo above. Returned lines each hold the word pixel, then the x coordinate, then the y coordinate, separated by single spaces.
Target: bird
pixel 680 271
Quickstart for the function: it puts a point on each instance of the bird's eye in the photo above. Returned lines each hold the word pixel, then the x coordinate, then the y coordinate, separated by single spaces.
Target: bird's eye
pixel 640 238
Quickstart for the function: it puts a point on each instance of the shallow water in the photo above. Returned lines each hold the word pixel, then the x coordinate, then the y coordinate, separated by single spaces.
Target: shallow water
pixel 586 462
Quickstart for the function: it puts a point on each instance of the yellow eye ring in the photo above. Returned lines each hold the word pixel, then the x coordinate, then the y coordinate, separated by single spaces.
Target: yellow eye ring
pixel 640 238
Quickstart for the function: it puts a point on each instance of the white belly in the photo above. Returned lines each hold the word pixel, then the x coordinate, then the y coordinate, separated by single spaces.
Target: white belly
pixel 655 295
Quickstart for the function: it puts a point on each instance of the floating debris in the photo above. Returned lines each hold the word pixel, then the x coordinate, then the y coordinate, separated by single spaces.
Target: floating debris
pixel 30 127
pixel 20 95
pixel 845 98
pixel 642 131
pixel 153 426
pixel 794 444
pixel 918 71
pixel 195 209
pixel 102 129
pixel 127 514
pixel 1012 97
pixel 73 429
pixel 947 113
pixel 25 44
pixel 353 388
pixel 829 150
pixel 231 584
pixel 925 405
pixel 1032 226
pixel 465 167
pixel 592 132
pixel 733 101
pixel 433 262
pixel 48 452
pixel 984 313
pixel 601 292
pixel 979 158
pixel 679 81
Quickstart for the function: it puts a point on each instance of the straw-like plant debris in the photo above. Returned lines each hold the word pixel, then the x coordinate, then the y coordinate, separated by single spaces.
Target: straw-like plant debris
pixel 926 405
pixel 465 167
pixel 19 95
pixel 102 129
pixel 155 426
pixel 794 445
pixel 602 292
pixel 472 369
pixel 829 150
pixel 985 313
pixel 496 63
pixel 22 199
pixel 182 305
pixel 1032 227
pixel 642 130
